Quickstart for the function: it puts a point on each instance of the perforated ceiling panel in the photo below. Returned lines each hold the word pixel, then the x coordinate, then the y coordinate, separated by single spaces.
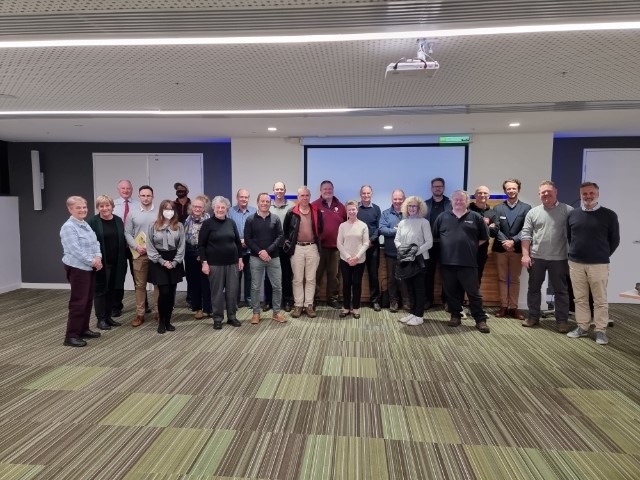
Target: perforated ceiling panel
pixel 500 73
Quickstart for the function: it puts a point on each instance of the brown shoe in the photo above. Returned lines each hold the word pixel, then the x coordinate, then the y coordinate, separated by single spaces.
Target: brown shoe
pixel 563 327
pixel 454 321
pixel 255 318
pixel 156 317
pixel 278 317
pixel 311 313
pixel 502 312
pixel 199 315
pixel 139 320
pixel 297 311
pixel 530 323
pixel 514 313
pixel 483 327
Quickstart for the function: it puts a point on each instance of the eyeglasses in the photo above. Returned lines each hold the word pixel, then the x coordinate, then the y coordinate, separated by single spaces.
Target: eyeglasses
pixel 412 206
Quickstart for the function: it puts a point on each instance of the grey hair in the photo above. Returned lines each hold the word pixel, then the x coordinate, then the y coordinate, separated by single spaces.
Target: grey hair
pixel 220 199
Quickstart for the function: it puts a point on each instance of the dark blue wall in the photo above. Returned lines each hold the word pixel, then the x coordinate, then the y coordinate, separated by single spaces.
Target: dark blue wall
pixel 567 161
pixel 68 170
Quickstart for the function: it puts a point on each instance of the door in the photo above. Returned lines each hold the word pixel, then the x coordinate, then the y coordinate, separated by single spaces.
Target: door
pixel 616 171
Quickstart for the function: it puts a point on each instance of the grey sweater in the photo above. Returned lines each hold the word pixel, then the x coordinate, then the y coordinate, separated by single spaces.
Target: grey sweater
pixel 546 229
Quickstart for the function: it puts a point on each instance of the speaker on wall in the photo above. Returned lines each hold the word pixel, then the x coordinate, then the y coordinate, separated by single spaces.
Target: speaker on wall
pixel 36 179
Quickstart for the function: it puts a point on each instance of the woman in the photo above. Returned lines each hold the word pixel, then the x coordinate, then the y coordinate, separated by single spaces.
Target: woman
pixel 220 254
pixel 82 259
pixel 165 250
pixel 413 241
pixel 109 230
pixel 353 242
pixel 197 282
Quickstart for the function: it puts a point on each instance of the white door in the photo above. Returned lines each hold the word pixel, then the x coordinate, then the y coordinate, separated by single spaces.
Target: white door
pixel 616 171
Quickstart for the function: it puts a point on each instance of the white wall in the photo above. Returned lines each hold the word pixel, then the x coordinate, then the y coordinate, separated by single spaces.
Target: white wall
pixel 494 158
pixel 257 163
pixel 10 273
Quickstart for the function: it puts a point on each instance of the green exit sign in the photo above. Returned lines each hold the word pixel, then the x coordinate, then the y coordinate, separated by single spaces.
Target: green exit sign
pixel 455 139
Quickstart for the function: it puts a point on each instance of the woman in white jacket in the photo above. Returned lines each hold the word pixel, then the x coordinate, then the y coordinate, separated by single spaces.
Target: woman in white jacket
pixel 414 229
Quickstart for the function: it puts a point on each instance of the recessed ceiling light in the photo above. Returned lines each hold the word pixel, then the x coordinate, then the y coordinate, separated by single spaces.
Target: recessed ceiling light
pixel 388 127
pixel 272 129
pixel 514 124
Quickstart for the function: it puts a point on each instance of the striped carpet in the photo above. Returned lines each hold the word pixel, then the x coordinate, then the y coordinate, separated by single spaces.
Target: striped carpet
pixel 316 399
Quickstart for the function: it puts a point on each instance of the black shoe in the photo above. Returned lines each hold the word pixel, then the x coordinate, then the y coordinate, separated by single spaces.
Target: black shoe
pixel 266 307
pixel 242 304
pixel 90 334
pixel 74 342
pixel 427 306
pixel 393 307
pixel 103 325
pixel 376 306
pixel 217 324
pixel 234 322
pixel 169 327
pixel 116 312
pixel 113 323
pixel 161 327
pixel 334 303
pixel 288 307
pixel 147 309
pixel 610 324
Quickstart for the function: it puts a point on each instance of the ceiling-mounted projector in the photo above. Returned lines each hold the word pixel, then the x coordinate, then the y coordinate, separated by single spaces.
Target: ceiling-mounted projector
pixel 412 68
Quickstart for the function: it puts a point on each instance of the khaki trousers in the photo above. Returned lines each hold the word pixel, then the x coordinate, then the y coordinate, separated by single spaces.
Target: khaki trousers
pixel 140 273
pixel 509 270
pixel 304 263
pixel 594 277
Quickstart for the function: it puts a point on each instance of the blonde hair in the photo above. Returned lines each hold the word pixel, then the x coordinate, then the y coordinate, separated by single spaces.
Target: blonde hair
pixel 102 199
pixel 422 207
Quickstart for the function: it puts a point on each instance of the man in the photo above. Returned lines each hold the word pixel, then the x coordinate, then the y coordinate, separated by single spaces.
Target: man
pixel 303 226
pixel 509 218
pixel 263 235
pixel 135 232
pixel 239 214
pixel 480 206
pixel 279 207
pixel 333 214
pixel 182 201
pixel 388 226
pixel 460 232
pixel 544 250
pixel 593 232
pixel 436 205
pixel 122 206
pixel 370 214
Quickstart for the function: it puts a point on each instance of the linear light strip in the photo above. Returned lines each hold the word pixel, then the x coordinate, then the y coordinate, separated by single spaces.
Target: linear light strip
pixel 175 112
pixel 347 37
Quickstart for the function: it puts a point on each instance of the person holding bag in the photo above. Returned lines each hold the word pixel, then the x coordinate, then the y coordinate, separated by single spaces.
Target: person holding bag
pixel 413 240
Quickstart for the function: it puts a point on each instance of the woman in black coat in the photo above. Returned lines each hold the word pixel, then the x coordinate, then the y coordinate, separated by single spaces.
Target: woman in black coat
pixel 109 230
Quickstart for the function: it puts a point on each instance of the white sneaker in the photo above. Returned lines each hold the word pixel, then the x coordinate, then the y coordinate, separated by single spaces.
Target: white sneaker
pixel 406 319
pixel 415 321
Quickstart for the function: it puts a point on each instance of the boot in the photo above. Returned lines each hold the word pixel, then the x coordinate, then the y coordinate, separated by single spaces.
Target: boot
pixel 161 326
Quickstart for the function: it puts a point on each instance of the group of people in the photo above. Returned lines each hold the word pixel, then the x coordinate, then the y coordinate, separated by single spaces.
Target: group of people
pixel 287 249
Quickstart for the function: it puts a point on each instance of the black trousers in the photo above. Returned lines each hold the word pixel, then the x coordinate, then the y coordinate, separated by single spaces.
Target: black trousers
pixel 372 262
pixel 416 290
pixel 103 300
pixel 351 284
pixel 457 281
pixel 166 301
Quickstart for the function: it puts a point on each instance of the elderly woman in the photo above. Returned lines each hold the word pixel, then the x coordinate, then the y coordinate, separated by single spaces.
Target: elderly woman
pixel 109 230
pixel 353 242
pixel 165 249
pixel 413 241
pixel 82 259
pixel 197 282
pixel 220 254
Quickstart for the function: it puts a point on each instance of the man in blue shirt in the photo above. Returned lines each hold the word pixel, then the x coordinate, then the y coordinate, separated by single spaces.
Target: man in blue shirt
pixel 239 214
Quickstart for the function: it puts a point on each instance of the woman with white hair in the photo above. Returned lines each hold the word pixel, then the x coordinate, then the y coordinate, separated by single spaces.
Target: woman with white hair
pixel 413 241
pixel 221 258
